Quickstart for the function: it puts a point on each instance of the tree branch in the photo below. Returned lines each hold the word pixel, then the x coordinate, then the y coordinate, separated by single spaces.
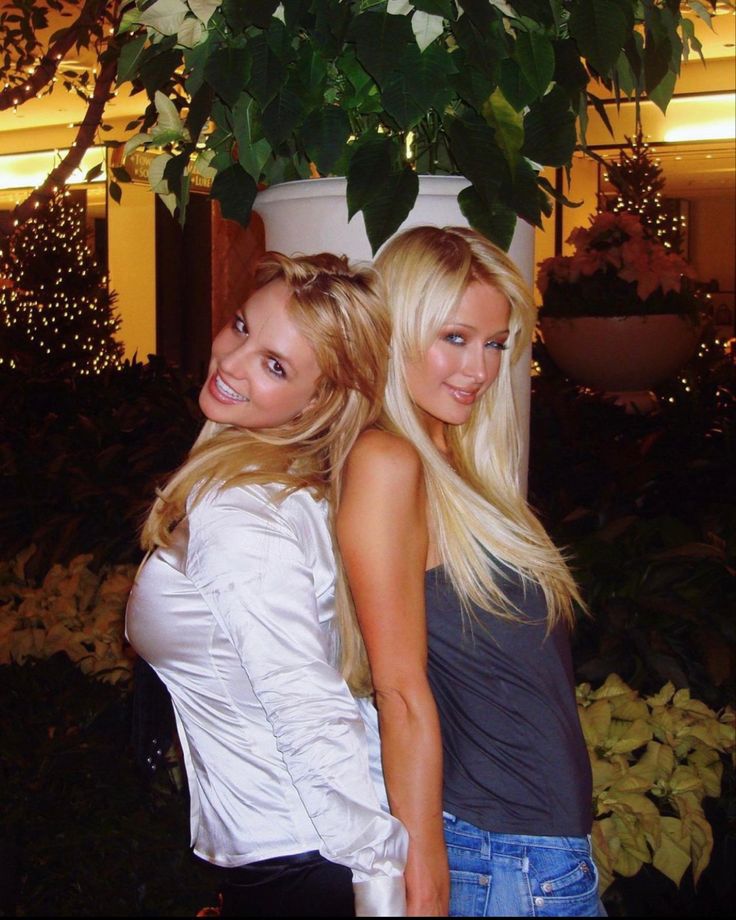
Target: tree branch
pixel 77 32
pixel 83 141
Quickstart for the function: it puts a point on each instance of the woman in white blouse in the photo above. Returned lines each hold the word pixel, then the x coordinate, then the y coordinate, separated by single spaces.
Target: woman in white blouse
pixel 235 605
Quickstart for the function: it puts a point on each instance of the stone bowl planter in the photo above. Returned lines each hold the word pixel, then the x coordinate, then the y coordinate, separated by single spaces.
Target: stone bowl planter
pixel 620 353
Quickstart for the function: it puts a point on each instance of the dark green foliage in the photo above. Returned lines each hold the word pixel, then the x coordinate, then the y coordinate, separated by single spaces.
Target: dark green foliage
pixel 80 459
pixel 646 505
pixel 82 832
pixel 365 61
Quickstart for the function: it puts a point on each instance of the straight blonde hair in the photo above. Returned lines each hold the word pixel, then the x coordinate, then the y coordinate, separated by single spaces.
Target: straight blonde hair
pixel 338 309
pixel 478 513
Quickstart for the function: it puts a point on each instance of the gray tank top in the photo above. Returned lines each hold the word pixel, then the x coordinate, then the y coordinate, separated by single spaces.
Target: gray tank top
pixel 515 760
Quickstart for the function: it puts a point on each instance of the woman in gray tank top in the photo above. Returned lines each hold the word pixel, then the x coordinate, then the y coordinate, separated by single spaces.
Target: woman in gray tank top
pixel 464 603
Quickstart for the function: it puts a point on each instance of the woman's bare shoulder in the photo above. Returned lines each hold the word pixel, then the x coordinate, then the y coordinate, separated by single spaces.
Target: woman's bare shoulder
pixel 382 454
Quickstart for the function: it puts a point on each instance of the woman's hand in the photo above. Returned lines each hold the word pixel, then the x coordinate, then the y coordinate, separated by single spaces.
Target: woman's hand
pixel 427 880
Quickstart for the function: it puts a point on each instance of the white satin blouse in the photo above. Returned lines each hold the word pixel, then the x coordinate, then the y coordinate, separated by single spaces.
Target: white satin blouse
pixel 236 617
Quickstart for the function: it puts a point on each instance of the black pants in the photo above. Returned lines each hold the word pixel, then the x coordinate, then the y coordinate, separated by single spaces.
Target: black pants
pixel 301 885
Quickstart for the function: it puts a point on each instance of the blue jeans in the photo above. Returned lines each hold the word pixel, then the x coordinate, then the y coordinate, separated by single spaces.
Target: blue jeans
pixel 509 875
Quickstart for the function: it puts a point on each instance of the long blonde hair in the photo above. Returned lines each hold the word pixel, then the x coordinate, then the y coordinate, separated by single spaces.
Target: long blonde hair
pixel 338 309
pixel 479 516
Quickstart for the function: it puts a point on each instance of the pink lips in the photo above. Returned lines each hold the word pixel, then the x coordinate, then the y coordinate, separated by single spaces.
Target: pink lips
pixel 464 397
pixel 218 393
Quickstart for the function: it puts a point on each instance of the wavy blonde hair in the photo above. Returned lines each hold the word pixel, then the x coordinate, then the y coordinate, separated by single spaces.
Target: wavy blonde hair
pixel 478 514
pixel 338 309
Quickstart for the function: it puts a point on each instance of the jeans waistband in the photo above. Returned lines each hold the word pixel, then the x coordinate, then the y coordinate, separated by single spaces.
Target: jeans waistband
pixel 573 841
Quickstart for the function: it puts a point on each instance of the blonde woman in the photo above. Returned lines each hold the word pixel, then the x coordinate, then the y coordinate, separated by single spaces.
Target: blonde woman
pixel 235 606
pixel 465 604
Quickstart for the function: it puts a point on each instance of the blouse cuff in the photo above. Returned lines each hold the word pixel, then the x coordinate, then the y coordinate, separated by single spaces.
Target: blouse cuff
pixel 380 897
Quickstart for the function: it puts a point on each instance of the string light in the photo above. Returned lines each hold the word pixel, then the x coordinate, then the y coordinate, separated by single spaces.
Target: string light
pixel 52 283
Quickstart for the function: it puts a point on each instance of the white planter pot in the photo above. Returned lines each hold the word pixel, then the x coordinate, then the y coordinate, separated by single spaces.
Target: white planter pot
pixel 311 216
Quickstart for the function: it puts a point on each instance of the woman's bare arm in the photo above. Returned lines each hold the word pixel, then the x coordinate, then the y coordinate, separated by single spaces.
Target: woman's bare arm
pixel 382 534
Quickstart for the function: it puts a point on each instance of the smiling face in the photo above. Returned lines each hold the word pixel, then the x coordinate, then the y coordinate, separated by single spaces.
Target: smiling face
pixel 462 362
pixel 263 372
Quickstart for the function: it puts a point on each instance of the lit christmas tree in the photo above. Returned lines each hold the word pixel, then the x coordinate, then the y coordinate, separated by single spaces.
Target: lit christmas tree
pixel 638 179
pixel 56 310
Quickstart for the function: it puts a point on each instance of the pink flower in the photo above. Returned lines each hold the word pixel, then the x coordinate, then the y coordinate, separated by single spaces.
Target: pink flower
pixel 617 241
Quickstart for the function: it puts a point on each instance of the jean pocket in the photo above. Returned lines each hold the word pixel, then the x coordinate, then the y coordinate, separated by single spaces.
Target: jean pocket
pixel 578 878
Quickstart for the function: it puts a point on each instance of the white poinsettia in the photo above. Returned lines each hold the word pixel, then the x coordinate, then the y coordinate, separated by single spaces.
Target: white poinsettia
pixel 426 26
pixel 75 610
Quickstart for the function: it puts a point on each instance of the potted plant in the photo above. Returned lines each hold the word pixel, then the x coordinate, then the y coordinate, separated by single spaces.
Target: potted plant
pixel 617 314
pixel 379 91
pixel 655 759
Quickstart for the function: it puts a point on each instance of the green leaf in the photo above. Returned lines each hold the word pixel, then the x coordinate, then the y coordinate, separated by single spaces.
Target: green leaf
pixel 121 174
pixel 281 116
pixel 485 49
pixel 372 162
pixel 690 40
pixel 601 109
pixel 268 73
pixel 663 92
pixel 481 13
pixel 549 130
pixel 325 133
pixel 390 205
pixel 507 124
pixel 261 11
pixel 625 75
pixel 523 195
pixel 700 9
pixel 157 71
pixel 199 111
pixel 478 157
pixel 558 196
pixel 471 85
pixel 236 14
pixel 381 42
pixel 600 28
pixel 537 10
pixel 253 148
pixel 312 73
pixel 130 57
pixel 228 71
pixel 569 71
pixel 174 173
pixel 442 8
pixel 236 191
pixel 513 85
pixel 418 85
pixel 365 97
pixel 657 48
pixel 195 60
pixel 491 218
pixel 536 57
